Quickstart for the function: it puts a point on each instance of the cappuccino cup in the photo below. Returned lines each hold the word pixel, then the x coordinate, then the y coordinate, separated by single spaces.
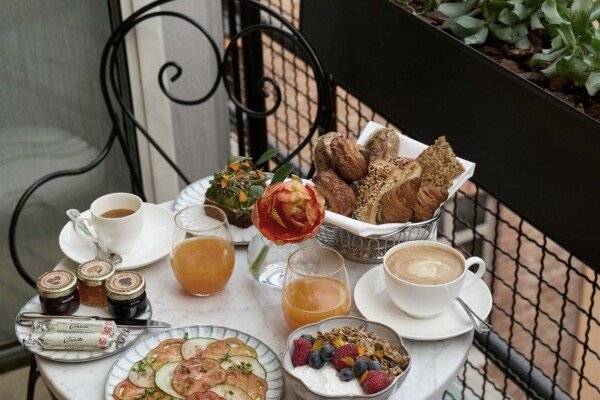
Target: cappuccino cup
pixel 116 221
pixel 423 278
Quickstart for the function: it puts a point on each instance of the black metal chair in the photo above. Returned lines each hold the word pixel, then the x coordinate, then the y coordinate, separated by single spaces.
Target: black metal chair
pixel 255 19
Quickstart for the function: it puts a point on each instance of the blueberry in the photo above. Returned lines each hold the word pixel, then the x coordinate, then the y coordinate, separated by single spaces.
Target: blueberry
pixel 346 374
pixel 373 364
pixel 315 361
pixel 361 366
pixel 312 339
pixel 327 351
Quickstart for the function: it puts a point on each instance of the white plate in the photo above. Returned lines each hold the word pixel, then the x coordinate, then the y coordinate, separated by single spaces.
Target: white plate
pixel 194 194
pixel 154 242
pixel 266 356
pixel 373 302
pixel 33 305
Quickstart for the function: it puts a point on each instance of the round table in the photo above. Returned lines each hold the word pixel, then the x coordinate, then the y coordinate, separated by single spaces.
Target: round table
pixel 255 309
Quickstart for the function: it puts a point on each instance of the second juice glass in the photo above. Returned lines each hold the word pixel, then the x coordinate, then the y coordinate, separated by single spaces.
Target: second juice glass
pixel 315 287
pixel 202 256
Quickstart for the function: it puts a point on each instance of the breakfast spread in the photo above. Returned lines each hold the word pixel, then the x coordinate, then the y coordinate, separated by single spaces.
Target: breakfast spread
pixel 196 368
pixel 235 190
pixel 347 361
pixel 373 184
pixel 58 292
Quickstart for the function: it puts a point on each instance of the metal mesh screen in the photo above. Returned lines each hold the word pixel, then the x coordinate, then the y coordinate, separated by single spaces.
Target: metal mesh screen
pixel 545 300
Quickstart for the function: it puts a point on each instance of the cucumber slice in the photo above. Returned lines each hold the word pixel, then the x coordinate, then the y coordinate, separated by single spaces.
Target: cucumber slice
pixel 164 377
pixel 141 374
pixel 245 362
pixel 191 346
pixel 229 392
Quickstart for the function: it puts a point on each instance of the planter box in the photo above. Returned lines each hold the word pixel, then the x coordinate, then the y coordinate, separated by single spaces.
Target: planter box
pixel 537 154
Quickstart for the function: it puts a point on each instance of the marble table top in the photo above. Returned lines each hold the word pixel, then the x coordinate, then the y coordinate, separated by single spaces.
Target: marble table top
pixel 255 309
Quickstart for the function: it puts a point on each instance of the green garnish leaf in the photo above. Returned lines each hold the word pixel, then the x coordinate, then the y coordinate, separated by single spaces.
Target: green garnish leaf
pixel 266 156
pixel 282 172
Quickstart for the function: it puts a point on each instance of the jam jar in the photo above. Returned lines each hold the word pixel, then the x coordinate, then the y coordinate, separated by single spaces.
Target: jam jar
pixel 58 292
pixel 126 293
pixel 92 275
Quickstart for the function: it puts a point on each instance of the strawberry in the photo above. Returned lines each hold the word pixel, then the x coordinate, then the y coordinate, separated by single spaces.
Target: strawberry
pixel 344 356
pixel 301 352
pixel 375 381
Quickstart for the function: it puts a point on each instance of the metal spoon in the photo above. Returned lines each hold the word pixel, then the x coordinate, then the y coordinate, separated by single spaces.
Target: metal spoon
pixel 101 254
pixel 478 324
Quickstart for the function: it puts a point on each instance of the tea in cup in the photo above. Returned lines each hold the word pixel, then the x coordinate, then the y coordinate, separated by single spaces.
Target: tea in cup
pixel 116 220
pixel 423 278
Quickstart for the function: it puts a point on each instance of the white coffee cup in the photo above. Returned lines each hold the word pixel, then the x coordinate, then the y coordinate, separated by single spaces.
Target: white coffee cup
pixel 119 235
pixel 428 300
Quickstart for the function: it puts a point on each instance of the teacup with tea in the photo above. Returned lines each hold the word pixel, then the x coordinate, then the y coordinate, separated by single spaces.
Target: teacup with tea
pixel 117 220
pixel 423 278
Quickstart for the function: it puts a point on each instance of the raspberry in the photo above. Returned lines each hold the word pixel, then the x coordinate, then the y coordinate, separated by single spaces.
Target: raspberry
pixel 375 381
pixel 344 356
pixel 301 352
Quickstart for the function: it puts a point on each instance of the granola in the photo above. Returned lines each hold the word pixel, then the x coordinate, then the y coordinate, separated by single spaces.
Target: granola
pixel 392 358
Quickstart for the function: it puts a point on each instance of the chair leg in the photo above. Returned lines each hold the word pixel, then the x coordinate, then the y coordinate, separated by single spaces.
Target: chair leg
pixel 33 376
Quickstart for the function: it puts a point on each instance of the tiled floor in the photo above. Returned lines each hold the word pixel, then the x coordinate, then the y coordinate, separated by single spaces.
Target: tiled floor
pixel 13 386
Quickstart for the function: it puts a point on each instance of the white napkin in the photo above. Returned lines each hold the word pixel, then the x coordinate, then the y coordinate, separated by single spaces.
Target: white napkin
pixel 408 148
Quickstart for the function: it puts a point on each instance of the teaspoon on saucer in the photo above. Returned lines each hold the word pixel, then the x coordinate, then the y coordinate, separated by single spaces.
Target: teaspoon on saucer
pixel 478 324
pixel 101 254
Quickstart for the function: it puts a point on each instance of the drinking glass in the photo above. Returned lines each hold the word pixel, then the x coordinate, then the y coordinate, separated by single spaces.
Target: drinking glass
pixel 315 286
pixel 202 252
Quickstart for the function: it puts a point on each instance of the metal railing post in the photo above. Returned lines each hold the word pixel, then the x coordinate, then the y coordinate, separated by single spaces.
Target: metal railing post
pixel 253 74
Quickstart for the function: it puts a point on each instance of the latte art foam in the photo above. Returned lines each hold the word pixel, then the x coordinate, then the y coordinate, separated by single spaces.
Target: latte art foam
pixel 425 265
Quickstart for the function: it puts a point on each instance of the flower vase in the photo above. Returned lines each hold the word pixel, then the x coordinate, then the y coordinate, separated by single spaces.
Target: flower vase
pixel 268 261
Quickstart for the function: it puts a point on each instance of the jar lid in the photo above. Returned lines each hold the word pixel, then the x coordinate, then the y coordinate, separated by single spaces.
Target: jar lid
pixel 95 272
pixel 55 284
pixel 125 285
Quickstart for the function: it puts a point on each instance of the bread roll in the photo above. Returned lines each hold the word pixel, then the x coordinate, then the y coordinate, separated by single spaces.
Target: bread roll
pixel 383 144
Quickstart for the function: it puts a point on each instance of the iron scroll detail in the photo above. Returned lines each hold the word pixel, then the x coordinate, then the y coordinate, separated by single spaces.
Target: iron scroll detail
pixel 120 114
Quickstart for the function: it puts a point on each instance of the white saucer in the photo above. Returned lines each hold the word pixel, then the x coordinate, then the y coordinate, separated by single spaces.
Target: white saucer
pixel 154 242
pixel 194 194
pixel 373 302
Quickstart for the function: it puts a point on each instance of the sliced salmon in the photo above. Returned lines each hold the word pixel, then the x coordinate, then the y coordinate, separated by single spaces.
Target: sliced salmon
pixel 197 375
pixel 169 350
pixel 250 383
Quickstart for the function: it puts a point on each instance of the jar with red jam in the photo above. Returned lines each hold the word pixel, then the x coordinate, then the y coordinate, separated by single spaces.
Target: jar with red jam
pixel 91 276
pixel 58 292
pixel 126 292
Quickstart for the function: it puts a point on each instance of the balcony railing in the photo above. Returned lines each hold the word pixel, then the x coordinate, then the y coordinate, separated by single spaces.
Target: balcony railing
pixel 544 315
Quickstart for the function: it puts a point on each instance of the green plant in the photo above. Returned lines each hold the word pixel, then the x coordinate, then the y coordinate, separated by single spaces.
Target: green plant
pixel 575 47
pixel 571 26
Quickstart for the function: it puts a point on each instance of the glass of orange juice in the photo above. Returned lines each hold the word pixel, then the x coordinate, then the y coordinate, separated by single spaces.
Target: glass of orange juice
pixel 202 253
pixel 315 286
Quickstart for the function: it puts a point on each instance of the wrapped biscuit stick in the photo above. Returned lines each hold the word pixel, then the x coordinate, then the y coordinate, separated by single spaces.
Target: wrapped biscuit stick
pixel 79 341
pixel 75 325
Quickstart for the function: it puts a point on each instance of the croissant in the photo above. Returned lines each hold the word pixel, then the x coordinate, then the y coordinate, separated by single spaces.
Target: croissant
pixel 349 162
pixel 398 203
pixel 429 199
pixel 339 196
pixel 322 152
